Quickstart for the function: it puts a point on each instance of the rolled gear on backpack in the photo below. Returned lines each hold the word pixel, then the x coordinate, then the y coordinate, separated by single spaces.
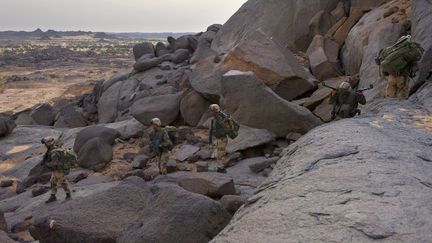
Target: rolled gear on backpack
pixel 400 58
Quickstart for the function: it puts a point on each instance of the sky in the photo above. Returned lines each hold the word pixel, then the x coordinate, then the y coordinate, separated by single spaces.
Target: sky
pixel 116 15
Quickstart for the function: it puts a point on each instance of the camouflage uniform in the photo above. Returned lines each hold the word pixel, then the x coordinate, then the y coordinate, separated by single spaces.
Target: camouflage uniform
pixel 220 131
pixel 347 7
pixel 161 145
pixel 57 176
pixel 346 102
pixel 397 87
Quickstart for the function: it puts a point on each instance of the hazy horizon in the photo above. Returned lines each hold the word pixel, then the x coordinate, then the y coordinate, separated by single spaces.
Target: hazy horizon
pixel 115 16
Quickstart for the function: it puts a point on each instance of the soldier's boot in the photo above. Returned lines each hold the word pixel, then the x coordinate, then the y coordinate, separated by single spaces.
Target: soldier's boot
pixel 68 196
pixel 52 198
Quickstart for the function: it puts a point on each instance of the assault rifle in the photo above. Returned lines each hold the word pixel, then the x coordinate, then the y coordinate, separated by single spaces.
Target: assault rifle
pixel 336 105
pixel 211 132
pixel 358 90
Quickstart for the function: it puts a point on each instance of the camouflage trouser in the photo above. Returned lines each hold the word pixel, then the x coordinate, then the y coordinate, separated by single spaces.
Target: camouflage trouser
pixel 397 87
pixel 59 178
pixel 221 154
pixel 162 162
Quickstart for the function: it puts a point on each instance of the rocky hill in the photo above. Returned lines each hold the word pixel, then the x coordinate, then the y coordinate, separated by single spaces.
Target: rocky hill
pixel 299 177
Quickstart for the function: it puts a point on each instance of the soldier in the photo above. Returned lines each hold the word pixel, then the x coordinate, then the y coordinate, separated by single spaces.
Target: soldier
pixel 160 144
pixel 222 127
pixel 399 62
pixel 346 101
pixel 55 161
pixel 347 7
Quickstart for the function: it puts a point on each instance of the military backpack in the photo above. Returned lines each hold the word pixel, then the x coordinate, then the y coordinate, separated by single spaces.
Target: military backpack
pixel 231 126
pixel 172 134
pixel 67 158
pixel 399 58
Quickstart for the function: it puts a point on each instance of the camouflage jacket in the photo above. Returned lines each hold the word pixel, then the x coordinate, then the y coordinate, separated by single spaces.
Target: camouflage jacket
pixel 221 126
pixel 52 160
pixel 346 102
pixel 160 141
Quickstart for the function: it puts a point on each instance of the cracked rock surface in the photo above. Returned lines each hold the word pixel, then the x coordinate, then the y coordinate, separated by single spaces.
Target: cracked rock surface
pixel 355 180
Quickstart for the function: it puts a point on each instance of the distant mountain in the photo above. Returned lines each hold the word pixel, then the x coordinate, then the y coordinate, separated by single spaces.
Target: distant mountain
pixel 142 35
pixel 49 34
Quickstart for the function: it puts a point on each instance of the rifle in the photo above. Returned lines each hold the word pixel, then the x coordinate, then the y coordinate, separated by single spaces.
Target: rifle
pixel 223 115
pixel 359 90
pixel 211 132
pixel 364 89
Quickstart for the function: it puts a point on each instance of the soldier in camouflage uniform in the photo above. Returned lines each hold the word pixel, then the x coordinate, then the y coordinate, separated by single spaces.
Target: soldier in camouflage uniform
pixel 345 101
pixel 160 144
pixel 220 132
pixel 347 7
pixel 53 161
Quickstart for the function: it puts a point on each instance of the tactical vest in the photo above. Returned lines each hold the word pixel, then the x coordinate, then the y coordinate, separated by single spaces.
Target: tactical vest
pixel 346 104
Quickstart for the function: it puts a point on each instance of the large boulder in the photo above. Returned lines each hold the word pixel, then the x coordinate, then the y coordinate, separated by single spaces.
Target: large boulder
pixel 131 212
pixel 206 77
pixel 165 107
pixel 141 49
pixel 376 30
pixel 321 23
pixel 95 154
pixel 341 29
pixel 263 14
pixel 23 118
pixel 323 56
pixel 4 238
pixel 183 42
pixel 108 135
pixel 160 49
pixel 70 117
pixel 421 30
pixel 43 114
pixel 248 138
pixel 185 152
pixel 253 104
pixel 337 183
pixel 232 202
pixel 211 184
pixel 192 107
pixel 117 99
pixel 204 48
pixel 120 76
pixel 176 215
pixel 128 129
pixel 272 63
pixel 146 62
pixel 245 181
pixel 7 125
pixel 180 55
pixel 107 105
pixel 23 207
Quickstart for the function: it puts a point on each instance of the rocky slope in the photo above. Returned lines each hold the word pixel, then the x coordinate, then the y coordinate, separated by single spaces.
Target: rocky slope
pixel 357 180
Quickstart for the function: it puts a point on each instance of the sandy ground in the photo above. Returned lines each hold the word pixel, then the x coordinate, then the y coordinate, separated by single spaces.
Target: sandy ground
pixel 46 85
